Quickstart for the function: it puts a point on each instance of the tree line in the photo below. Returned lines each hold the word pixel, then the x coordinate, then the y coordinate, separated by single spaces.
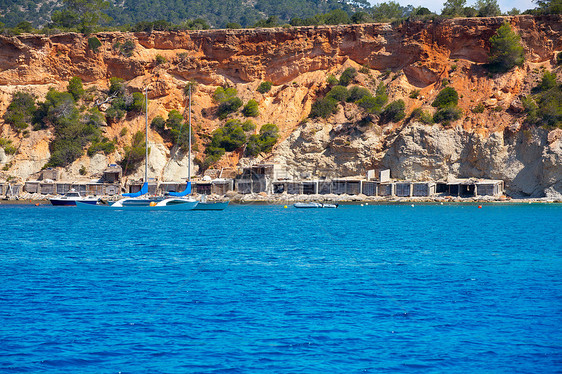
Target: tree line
pixel 88 16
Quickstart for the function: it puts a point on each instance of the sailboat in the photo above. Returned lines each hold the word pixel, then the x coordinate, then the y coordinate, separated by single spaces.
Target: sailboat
pixel 203 203
pixel 178 201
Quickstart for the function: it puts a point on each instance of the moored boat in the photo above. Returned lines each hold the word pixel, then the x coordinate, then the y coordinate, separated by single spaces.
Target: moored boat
pixel 166 204
pixel 315 205
pixel 71 197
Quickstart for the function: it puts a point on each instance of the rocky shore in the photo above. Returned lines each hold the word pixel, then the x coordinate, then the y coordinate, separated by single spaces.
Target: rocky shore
pixel 288 199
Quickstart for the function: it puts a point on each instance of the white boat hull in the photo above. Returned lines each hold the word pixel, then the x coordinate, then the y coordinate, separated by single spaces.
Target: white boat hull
pixel 164 205
pixel 314 205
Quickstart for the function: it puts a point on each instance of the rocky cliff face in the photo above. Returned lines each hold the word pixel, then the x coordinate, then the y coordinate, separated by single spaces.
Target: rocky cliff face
pixel 406 57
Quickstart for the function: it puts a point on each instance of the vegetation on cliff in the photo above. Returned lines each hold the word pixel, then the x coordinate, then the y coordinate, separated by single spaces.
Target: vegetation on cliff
pixel 76 121
pixel 175 130
pixel 506 50
pixel 544 105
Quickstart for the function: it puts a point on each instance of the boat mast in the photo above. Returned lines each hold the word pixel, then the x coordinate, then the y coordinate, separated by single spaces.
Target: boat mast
pixel 189 155
pixel 146 133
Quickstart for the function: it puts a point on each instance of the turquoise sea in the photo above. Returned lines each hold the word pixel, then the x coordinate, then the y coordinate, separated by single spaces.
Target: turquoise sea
pixel 263 289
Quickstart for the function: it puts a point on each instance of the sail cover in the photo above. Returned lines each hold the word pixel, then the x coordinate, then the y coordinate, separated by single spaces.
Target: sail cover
pixel 187 191
pixel 143 190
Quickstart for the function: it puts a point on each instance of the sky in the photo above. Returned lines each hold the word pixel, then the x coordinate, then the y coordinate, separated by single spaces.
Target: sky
pixel 437 5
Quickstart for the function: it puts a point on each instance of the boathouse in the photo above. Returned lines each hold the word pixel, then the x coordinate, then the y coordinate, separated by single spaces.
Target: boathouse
pixel 385 189
pixel 369 188
pixel 423 189
pixel 112 174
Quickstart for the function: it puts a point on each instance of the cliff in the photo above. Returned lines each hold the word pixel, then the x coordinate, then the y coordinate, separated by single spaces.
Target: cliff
pixel 407 56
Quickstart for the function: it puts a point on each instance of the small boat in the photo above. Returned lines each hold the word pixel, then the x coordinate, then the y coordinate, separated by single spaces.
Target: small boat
pixel 307 205
pixel 71 197
pixel 315 205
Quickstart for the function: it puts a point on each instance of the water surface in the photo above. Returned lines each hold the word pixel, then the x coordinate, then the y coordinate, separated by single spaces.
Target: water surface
pixel 388 288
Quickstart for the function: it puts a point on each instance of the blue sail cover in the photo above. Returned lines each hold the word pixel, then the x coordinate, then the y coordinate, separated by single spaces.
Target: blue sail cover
pixel 143 190
pixel 187 191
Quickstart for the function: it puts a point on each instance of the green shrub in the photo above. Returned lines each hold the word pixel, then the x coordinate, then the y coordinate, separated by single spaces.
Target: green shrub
pixel 549 110
pixel 323 108
pixel 160 60
pixel 94 118
pixel 123 132
pixel 559 58
pixel 134 154
pixel 446 97
pixel 104 145
pixel 548 81
pixel 117 87
pixel 356 93
pixel 228 101
pixel 137 104
pixel 265 87
pixel 364 69
pixel 94 43
pixel 233 26
pixel 251 109
pixel 116 111
pixel 416 113
pixel 332 81
pixel 347 76
pixel 223 94
pixel 212 155
pixel 248 126
pixel 488 8
pixel 230 137
pixel 20 112
pixel 447 114
pixel 394 112
pixel 63 152
pixel 374 104
pixel 369 104
pixel 414 94
pixel 75 88
pixel 72 131
pixel 338 93
pixel 506 50
pixel 159 124
pixel 264 142
pixel 426 118
pixel 229 106
pixel 9 149
pixel 127 48
pixel 82 170
pixel 478 108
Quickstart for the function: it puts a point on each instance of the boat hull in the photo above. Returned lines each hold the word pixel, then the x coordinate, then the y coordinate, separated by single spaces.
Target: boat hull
pixel 181 206
pixel 69 202
pixel 314 205
pixel 215 205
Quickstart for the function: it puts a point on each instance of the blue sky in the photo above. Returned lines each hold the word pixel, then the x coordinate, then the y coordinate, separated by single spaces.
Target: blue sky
pixel 436 6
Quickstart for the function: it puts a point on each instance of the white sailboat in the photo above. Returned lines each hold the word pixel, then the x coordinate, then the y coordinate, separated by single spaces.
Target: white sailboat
pixel 134 201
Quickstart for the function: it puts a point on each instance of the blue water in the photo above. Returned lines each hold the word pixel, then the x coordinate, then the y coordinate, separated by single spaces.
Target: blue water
pixel 262 289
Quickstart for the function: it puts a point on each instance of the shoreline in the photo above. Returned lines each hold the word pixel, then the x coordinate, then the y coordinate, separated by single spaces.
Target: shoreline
pixel 339 199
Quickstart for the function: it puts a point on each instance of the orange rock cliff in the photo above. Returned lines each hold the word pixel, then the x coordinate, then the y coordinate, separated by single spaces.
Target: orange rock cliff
pixel 405 56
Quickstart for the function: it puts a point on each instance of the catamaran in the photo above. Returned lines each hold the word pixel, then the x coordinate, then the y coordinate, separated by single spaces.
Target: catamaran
pixel 177 201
